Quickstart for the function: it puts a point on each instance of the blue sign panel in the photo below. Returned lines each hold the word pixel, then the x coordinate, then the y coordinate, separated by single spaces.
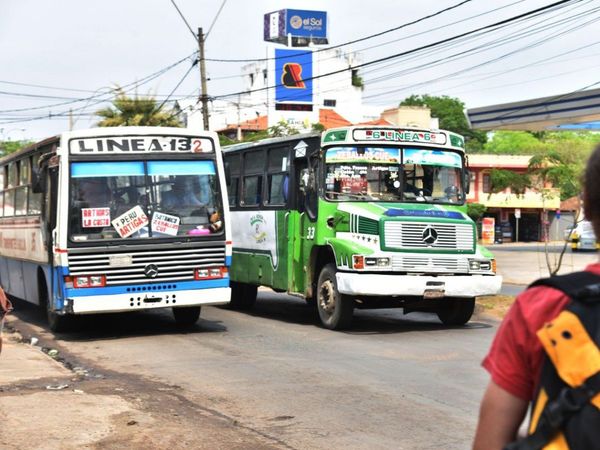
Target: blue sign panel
pixel 293 73
pixel 295 27
pixel 301 23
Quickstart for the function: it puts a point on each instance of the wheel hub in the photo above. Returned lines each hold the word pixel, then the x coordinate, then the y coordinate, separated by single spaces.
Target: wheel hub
pixel 327 297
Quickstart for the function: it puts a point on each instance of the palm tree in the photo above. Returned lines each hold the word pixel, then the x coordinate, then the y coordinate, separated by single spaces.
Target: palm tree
pixel 136 111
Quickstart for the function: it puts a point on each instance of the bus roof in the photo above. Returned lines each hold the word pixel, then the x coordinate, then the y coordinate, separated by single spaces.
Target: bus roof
pixel 293 137
pixel 361 134
pixel 390 134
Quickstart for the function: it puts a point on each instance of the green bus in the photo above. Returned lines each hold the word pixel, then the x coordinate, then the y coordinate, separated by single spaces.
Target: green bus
pixel 357 217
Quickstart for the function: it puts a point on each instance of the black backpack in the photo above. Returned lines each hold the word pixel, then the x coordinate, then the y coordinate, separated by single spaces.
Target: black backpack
pixel 562 412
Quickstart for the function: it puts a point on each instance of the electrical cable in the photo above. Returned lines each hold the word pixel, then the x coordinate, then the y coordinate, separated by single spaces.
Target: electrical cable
pixel 421 19
pixel 417 49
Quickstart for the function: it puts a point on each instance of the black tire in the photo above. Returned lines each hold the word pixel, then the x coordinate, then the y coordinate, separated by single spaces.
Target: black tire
pixel 243 295
pixel 57 323
pixel 186 316
pixel 456 311
pixel 335 309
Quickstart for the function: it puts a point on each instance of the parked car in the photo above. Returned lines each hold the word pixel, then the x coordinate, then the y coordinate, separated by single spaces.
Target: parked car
pixel 582 237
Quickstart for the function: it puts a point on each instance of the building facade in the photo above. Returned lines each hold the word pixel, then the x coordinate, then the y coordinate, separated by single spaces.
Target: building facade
pixel 522 217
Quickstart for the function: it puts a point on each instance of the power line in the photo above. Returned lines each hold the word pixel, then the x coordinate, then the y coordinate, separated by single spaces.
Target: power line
pixel 185 21
pixel 215 19
pixel 513 37
pixel 421 19
pixel 176 86
pixel 417 49
pixel 128 86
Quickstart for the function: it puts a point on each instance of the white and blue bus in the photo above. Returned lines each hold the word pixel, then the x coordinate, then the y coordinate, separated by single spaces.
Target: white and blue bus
pixel 116 219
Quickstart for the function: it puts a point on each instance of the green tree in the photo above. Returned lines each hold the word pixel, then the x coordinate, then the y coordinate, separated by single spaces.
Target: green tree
pixel 136 111
pixel 476 211
pixel 557 155
pixel 282 128
pixel 515 143
pixel 8 147
pixel 450 112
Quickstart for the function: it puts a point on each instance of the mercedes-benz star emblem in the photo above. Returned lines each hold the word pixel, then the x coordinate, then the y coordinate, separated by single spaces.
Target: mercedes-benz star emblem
pixel 429 235
pixel 151 271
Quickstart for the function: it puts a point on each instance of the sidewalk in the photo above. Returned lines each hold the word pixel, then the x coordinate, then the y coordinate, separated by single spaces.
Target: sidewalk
pixel 524 262
pixel 40 408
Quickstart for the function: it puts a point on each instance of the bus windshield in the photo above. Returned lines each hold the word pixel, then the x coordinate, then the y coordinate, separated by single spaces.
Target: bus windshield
pixel 393 175
pixel 143 200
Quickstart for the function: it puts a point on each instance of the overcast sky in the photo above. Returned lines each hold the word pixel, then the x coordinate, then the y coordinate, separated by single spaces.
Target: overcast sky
pixel 77 49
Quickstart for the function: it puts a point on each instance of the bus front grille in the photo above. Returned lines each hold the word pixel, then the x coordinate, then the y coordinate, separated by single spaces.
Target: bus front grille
pixel 439 236
pixel 128 267
pixel 425 264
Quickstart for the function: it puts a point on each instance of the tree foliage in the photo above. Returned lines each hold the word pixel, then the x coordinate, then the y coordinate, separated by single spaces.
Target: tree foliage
pixel 476 211
pixel 450 112
pixel 8 147
pixel 557 156
pixel 501 179
pixel 136 111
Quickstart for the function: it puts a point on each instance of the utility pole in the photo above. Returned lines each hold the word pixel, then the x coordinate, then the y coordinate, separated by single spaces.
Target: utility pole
pixel 239 127
pixel 203 95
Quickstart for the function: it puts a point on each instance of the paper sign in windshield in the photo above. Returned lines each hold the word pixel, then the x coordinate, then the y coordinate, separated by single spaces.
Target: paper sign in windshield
pixel 363 154
pixel 130 222
pixel 432 158
pixel 95 217
pixel 165 223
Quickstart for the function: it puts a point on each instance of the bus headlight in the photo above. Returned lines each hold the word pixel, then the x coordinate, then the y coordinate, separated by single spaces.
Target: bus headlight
pixel 486 265
pixel 211 273
pixel 377 262
pixel 89 281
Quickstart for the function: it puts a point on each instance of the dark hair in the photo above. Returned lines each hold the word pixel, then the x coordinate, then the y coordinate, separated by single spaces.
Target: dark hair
pixel 591 190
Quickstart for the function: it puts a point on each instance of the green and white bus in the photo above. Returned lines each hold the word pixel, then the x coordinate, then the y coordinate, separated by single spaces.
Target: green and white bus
pixel 357 217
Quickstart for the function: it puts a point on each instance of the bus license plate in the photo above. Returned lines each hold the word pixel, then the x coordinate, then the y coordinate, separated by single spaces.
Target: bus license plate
pixel 430 294
pixel 120 260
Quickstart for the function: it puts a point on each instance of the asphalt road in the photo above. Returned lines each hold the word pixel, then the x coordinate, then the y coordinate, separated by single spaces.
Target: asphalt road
pixel 394 381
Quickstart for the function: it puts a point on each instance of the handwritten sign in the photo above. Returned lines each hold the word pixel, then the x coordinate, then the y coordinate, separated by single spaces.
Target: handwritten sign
pixel 95 217
pixel 130 222
pixel 165 223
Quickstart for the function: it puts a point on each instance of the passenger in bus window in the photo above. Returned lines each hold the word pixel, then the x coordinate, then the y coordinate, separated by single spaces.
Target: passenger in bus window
pixel 182 194
pixel 94 193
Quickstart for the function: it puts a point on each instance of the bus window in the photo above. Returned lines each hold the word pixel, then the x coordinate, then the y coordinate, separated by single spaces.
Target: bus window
pixel 277 178
pixel 12 175
pixel 35 200
pixel 253 178
pixel 22 188
pixel 233 163
pixel 252 190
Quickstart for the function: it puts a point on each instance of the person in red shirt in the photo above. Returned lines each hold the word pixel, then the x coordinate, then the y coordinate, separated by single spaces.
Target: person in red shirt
pixel 515 358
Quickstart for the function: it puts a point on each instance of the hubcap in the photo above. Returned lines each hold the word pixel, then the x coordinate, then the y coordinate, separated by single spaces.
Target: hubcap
pixel 327 296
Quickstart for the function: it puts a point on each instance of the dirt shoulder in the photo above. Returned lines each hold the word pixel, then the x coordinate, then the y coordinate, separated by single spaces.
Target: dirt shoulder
pixel 61 403
pixel 495 306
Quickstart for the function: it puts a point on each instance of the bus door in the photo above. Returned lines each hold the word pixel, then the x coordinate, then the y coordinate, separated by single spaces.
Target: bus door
pixel 305 223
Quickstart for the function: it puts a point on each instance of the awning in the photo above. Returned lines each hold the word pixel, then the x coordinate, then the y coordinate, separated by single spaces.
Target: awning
pixel 578 110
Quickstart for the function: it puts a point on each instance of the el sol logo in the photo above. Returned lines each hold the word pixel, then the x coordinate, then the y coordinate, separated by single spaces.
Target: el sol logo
pixel 291 76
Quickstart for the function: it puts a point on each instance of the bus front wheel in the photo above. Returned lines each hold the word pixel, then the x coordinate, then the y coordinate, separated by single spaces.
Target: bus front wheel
pixel 456 311
pixel 186 316
pixel 335 309
pixel 243 295
pixel 56 322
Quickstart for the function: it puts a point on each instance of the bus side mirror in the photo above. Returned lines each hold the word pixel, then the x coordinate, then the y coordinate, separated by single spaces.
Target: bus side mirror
pixel 466 181
pixel 38 180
